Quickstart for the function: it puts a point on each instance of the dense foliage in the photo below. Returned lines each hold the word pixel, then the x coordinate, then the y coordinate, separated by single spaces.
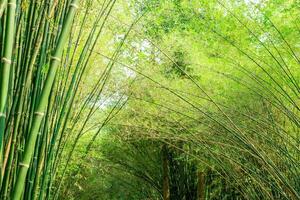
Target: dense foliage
pixel 152 99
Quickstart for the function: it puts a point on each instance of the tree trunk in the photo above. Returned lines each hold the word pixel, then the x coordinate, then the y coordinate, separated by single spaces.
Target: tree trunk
pixel 166 184
pixel 201 185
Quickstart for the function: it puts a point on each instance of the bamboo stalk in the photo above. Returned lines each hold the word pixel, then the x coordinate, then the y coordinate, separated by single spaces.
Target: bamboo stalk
pixel 5 69
pixel 3 5
pixel 41 106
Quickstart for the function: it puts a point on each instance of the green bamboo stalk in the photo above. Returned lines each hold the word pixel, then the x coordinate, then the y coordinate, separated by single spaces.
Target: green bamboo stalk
pixel 36 86
pixel 41 162
pixel 5 69
pixel 3 5
pixel 12 117
pixel 41 106
pixel 19 101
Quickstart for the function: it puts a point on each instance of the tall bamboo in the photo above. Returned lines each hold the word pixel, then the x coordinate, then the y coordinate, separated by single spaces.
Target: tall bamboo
pixel 41 106
pixel 5 68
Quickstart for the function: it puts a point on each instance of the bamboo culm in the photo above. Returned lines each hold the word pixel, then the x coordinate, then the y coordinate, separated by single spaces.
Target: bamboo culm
pixel 41 106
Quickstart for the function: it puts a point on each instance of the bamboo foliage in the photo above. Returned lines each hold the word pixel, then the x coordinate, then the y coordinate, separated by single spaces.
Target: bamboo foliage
pixel 255 146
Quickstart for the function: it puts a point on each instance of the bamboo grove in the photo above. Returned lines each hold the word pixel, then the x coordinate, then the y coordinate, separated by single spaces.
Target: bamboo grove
pixel 43 65
pixel 206 105
pixel 235 121
pixel 248 136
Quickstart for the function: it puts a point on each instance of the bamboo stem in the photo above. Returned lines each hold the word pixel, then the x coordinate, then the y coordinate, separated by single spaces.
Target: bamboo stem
pixel 5 69
pixel 3 5
pixel 41 106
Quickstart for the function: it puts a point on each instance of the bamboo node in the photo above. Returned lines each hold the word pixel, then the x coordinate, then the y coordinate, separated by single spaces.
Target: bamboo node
pixel 39 113
pixel 3 115
pixel 74 5
pixel 24 165
pixel 6 60
pixel 55 58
